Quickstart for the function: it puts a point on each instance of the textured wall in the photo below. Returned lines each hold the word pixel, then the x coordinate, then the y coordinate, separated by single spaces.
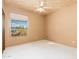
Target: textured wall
pixel 61 26
pixel 34 32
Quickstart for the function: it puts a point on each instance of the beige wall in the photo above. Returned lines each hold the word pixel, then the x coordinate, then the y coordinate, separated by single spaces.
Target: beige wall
pixel 61 26
pixel 34 32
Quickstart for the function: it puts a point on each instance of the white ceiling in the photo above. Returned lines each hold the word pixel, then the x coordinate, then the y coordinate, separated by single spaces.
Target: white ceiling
pixel 31 4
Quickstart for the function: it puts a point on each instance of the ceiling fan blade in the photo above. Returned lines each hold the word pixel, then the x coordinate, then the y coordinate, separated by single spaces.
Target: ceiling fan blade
pixel 41 3
pixel 47 7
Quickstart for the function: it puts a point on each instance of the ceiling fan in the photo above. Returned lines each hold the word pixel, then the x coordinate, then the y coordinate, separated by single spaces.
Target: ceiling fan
pixel 43 6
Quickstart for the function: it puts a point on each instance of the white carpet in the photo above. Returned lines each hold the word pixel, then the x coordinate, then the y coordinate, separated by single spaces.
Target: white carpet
pixel 40 50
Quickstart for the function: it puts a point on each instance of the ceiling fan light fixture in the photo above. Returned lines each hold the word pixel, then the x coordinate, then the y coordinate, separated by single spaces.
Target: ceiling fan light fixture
pixel 40 10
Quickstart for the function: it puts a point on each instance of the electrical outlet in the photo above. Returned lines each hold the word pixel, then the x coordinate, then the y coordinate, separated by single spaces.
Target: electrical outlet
pixel 73 42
